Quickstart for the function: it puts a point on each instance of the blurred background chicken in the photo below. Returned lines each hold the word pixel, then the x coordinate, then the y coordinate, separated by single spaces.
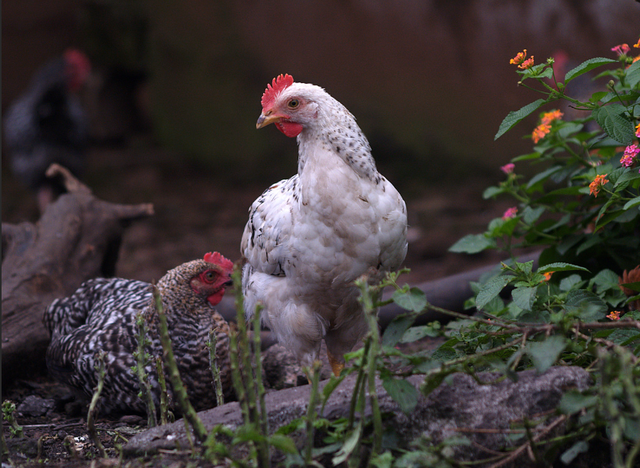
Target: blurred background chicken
pixel 101 316
pixel 47 124
pixel 309 237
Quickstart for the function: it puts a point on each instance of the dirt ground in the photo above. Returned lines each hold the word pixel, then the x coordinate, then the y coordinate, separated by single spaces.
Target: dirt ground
pixel 196 211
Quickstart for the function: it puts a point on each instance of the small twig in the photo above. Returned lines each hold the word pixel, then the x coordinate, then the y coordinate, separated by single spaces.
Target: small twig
pixel 516 453
pixel 608 344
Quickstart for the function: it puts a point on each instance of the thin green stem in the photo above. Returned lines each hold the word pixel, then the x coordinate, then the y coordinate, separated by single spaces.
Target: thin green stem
pixel 91 427
pixel 180 392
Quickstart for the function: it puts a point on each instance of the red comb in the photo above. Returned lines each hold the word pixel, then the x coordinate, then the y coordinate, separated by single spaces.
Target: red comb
pixel 276 87
pixel 218 259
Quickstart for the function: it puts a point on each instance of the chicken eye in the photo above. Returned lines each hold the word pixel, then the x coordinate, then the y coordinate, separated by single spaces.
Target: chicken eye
pixel 293 103
pixel 209 276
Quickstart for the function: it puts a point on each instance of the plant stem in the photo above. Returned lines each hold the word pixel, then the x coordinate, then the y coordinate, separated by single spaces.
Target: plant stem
pixel 311 412
pixel 182 399
pixel 164 403
pixel 94 401
pixel 215 369
pixel 143 377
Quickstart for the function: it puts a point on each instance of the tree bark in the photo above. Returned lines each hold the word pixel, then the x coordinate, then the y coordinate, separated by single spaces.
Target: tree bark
pixel 77 238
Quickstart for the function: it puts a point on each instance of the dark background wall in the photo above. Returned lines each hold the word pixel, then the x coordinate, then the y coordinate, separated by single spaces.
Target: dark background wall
pixel 429 81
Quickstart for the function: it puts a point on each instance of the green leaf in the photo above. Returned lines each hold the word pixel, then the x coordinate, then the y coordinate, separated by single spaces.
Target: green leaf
pixel 560 266
pixel 613 121
pixel 417 333
pixel 492 192
pixel 491 289
pixel 531 215
pixel 472 243
pixel 331 386
pixel 543 175
pixel 516 116
pixel 576 449
pixel 524 297
pixel 605 280
pixel 626 177
pixel 397 329
pixel 283 443
pixel 350 444
pixel 633 74
pixel 414 300
pixel 545 353
pixel 631 203
pixel 431 382
pixel 587 304
pixel 573 401
pixel 384 460
pixel 402 392
pixel 633 286
pixel 585 67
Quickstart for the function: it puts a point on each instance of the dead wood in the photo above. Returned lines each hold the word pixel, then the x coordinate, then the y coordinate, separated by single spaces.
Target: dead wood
pixel 77 238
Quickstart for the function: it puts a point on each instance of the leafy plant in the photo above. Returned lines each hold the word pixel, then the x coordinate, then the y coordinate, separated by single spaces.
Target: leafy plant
pixel 582 209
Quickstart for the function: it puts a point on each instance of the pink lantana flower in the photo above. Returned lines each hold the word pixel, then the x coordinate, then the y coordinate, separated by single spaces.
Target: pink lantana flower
pixel 508 168
pixel 621 49
pixel 510 213
pixel 630 153
pixel 638 126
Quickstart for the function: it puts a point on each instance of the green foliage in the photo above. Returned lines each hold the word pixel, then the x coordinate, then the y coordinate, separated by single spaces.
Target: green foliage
pixel 582 208
pixel 8 410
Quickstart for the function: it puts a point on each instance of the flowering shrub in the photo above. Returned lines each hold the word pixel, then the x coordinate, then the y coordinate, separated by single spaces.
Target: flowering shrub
pixel 583 204
pixel 581 208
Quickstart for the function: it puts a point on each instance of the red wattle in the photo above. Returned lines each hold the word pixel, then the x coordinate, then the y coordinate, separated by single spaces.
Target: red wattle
pixel 216 297
pixel 290 129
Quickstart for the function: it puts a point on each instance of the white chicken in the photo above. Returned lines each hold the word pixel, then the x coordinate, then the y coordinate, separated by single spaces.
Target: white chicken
pixel 309 237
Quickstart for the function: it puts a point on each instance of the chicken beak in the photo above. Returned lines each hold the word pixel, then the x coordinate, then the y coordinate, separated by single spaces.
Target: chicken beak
pixel 268 118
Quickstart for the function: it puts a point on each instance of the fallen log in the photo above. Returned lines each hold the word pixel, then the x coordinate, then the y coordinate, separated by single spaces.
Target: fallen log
pixel 484 413
pixel 77 238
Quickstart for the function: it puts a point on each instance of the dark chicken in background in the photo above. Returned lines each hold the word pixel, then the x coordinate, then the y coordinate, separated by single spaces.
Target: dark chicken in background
pixel 47 124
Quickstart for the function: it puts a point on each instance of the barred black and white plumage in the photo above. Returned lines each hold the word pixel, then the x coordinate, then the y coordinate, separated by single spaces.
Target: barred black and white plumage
pixel 101 316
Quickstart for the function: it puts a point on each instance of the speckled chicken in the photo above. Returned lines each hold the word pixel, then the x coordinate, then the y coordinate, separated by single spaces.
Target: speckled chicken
pixel 47 124
pixel 309 237
pixel 101 316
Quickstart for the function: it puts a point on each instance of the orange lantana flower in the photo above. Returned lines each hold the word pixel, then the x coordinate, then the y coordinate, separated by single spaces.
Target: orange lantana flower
pixel 549 117
pixel 527 63
pixel 614 315
pixel 547 275
pixel 596 185
pixel 540 132
pixel 519 58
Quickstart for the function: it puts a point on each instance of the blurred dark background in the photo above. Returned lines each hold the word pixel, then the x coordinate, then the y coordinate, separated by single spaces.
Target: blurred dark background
pixel 175 92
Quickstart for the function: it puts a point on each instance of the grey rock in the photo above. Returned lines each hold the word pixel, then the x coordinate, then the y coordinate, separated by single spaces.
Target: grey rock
pixel 459 406
pixel 34 406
